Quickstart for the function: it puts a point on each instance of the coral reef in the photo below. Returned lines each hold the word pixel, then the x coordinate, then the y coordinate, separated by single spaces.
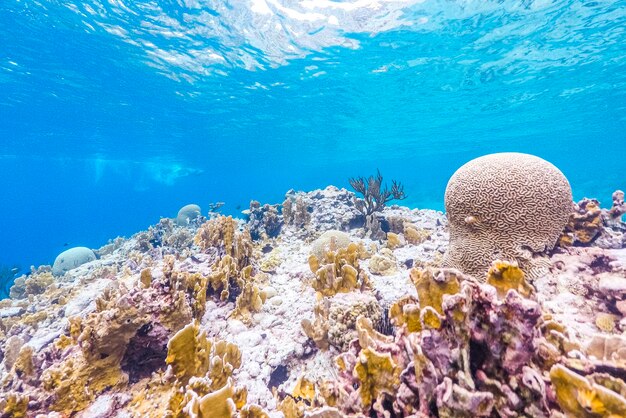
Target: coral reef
pixel 506 206
pixel 374 197
pixel 590 224
pixel 481 357
pixel 335 318
pixel 34 284
pixel 263 221
pixel 320 210
pixel 584 224
pixel 202 320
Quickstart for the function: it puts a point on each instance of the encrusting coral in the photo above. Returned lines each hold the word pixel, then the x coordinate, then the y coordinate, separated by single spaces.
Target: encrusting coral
pixel 263 221
pixel 506 206
pixel 335 318
pixel 584 224
pixel 295 211
pixel 383 263
pixel 480 359
pixel 590 224
pixel 505 276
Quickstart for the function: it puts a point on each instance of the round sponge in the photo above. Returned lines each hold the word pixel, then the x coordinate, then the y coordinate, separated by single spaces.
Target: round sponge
pixel 506 206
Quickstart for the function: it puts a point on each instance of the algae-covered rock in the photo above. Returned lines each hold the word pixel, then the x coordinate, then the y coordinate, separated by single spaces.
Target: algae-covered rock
pixel 72 258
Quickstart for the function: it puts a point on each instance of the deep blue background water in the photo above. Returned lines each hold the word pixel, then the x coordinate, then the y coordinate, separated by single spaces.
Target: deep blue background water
pixel 113 114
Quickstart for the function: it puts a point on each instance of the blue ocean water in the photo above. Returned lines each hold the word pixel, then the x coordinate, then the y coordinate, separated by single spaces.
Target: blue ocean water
pixel 115 113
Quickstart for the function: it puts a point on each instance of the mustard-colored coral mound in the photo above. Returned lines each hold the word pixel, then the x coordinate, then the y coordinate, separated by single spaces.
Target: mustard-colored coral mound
pixel 586 396
pixel 507 206
pixel 339 271
pixel 505 276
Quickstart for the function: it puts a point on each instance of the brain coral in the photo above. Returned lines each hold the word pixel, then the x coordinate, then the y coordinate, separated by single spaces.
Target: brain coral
pixel 188 213
pixel 72 258
pixel 507 206
pixel 329 241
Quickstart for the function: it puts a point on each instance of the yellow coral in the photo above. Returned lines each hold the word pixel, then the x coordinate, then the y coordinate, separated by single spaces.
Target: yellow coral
pixel 406 310
pixel 340 271
pixel 413 235
pixel 145 278
pixel 291 408
pixel 271 261
pixel 253 411
pixel 251 298
pixel 24 363
pixel 218 404
pixel 76 382
pixel 16 406
pixel 377 373
pixel 224 271
pixel 393 241
pixel 505 276
pixel 368 336
pixel 605 322
pixel 318 330
pixel 304 389
pixel 430 318
pixel 582 397
pixel 432 284
pixel 383 263
pixel 188 352
pixel 222 233
pixel 583 226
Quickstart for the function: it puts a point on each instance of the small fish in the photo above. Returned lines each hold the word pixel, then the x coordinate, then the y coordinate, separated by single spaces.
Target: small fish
pixel 238 207
pixel 66 244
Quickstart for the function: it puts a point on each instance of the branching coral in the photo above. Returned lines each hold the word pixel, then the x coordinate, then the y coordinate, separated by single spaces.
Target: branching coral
pixel 374 195
pixel 339 271
pixel 223 235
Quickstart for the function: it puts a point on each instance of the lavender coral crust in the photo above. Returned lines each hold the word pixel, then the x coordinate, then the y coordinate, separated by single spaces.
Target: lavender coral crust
pixel 485 358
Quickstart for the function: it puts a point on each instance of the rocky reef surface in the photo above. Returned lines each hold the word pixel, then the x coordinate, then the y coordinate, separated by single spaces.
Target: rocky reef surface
pixel 307 308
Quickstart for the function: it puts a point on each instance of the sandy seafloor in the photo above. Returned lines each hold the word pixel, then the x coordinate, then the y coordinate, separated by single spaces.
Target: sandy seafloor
pixel 274 348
